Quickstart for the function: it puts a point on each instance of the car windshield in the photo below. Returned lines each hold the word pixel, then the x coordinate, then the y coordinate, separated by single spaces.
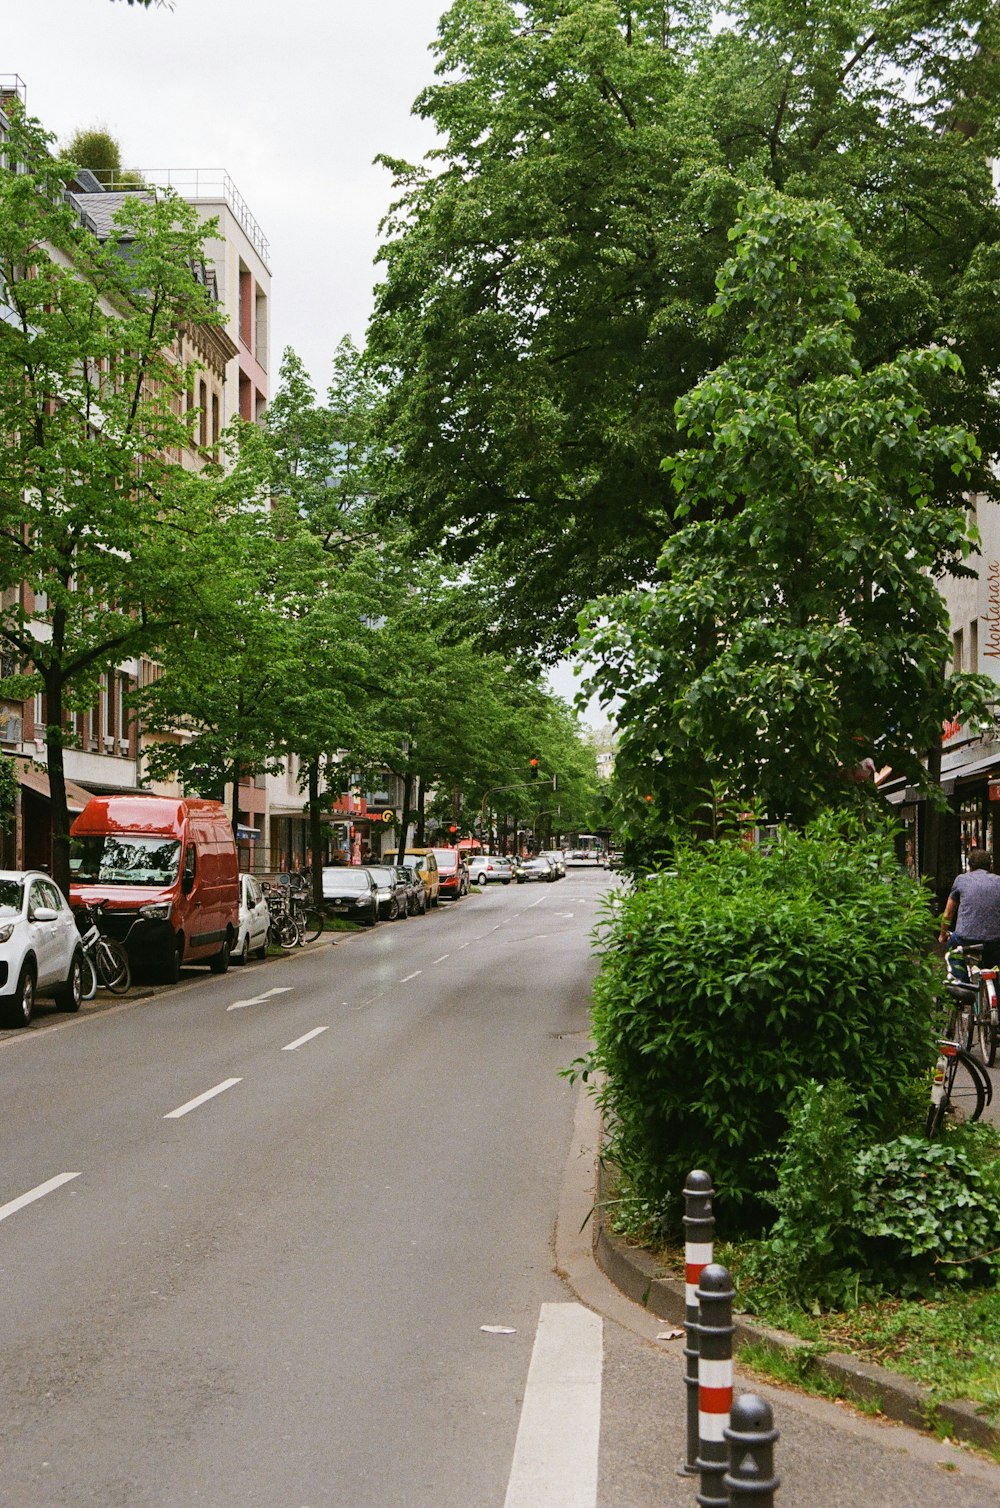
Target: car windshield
pixel 381 875
pixel 11 896
pixel 125 859
pixel 345 879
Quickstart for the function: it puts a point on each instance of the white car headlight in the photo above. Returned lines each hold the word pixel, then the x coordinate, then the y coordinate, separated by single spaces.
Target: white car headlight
pixel 6 932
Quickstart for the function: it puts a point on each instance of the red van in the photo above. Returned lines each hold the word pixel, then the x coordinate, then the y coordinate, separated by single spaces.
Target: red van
pixel 167 871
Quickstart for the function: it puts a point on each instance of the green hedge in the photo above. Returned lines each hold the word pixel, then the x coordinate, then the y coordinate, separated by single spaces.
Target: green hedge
pixel 739 976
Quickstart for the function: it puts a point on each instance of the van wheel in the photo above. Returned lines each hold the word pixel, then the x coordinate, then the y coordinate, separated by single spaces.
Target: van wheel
pixel 171 970
pixel 220 963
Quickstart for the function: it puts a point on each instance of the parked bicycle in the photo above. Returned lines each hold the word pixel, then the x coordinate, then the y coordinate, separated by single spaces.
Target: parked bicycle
pixel 961 1088
pixel 105 961
pixel 283 928
pixel 308 919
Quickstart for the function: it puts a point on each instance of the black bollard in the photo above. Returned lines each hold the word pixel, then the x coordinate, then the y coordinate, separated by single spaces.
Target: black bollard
pixel 715 1382
pixel 699 1234
pixel 751 1436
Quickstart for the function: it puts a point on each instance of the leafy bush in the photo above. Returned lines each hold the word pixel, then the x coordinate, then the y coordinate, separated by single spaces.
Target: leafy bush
pixel 734 979
pixel 860 1220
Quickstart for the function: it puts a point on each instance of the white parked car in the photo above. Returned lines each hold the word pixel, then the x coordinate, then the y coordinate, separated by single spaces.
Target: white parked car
pixel 255 922
pixel 39 946
pixel 485 868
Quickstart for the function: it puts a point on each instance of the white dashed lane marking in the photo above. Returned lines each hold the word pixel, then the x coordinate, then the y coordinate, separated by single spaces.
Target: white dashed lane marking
pixel 37 1193
pixel 300 1041
pixel 173 1115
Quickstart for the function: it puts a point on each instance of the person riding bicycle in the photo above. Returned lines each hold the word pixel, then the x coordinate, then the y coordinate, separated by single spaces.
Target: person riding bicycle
pixel 973 908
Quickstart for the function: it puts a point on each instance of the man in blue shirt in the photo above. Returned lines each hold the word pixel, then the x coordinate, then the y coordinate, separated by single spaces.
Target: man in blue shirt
pixel 973 908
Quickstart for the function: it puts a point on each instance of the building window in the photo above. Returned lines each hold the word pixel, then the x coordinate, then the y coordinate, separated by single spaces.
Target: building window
pixel 246 307
pixel 957 650
pixel 974 645
pixel 203 414
pixel 215 420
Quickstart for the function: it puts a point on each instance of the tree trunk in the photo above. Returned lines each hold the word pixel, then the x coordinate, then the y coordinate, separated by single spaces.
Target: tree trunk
pixel 933 823
pixel 315 833
pixel 404 816
pixel 420 813
pixel 58 809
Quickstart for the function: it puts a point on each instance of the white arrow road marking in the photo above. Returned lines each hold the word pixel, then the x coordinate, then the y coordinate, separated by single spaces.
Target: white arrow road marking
pixel 209 1094
pixel 555 1454
pixel 33 1194
pixel 241 1005
pixel 316 1031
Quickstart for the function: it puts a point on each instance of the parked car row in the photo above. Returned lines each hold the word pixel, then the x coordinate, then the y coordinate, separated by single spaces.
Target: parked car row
pixel 162 876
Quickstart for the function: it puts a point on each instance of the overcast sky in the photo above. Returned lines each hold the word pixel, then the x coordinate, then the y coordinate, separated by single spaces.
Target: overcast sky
pixel 293 98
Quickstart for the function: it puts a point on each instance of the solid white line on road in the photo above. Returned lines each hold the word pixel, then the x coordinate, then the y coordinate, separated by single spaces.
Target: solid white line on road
pixel 556 1451
pixel 240 1005
pixel 33 1194
pixel 567 914
pixel 316 1032
pixel 408 977
pixel 442 958
pixel 209 1094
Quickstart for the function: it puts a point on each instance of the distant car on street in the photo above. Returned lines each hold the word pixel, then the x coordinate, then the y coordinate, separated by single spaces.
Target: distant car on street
pixel 557 859
pixel 536 868
pixel 416 890
pixel 489 868
pixel 351 892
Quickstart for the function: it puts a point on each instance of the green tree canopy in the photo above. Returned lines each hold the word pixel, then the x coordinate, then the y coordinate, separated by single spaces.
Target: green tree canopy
pixel 795 628
pixel 550 266
pixel 99 523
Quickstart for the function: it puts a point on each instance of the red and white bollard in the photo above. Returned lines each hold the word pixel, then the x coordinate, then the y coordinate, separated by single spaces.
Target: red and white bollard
pixel 699 1235
pixel 715 1382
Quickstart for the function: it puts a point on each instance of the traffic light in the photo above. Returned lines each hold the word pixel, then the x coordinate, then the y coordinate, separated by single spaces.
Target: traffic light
pixel 533 766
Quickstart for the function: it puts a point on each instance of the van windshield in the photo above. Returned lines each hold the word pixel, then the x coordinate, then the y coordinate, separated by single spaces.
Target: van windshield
pixel 124 859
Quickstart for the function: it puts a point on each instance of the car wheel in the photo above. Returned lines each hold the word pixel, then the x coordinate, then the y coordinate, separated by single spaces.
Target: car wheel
pixel 243 955
pixel 262 950
pixel 481 880
pixel 220 963
pixel 505 882
pixel 70 996
pixel 19 1008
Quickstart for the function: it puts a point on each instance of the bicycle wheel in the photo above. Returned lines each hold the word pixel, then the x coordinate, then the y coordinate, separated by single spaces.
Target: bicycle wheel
pixel 312 924
pixel 88 979
pixel 286 931
pixel 113 968
pixel 963 1092
pixel 984 1029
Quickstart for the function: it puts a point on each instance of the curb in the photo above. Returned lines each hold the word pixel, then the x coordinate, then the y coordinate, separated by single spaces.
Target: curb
pixel 638 1275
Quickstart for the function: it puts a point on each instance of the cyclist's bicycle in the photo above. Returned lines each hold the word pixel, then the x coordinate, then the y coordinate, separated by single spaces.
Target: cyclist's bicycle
pixel 962 1088
pixel 105 961
pixel 978 1025
pixel 283 929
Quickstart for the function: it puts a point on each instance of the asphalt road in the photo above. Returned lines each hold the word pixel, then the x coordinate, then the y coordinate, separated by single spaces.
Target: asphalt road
pixel 310 1234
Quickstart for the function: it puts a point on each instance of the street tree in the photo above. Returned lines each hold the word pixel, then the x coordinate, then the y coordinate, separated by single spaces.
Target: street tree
pixel 550 266
pixel 99 530
pixel 794 638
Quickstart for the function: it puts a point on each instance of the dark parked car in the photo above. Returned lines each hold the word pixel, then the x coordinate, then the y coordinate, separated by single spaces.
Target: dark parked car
pixel 351 892
pixel 393 891
pixel 416 891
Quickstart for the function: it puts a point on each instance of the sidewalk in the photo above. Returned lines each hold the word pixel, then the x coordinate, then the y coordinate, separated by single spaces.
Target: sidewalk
pixel 829 1455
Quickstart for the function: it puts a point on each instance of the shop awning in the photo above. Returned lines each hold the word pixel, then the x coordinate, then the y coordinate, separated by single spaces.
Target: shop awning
pixel 36 780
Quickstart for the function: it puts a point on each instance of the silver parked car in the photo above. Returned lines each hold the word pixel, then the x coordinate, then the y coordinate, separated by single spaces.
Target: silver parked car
pixel 489 868
pixel 536 868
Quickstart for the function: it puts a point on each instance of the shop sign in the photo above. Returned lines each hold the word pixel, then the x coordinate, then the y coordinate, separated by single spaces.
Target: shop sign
pixel 389 816
pixel 991 617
